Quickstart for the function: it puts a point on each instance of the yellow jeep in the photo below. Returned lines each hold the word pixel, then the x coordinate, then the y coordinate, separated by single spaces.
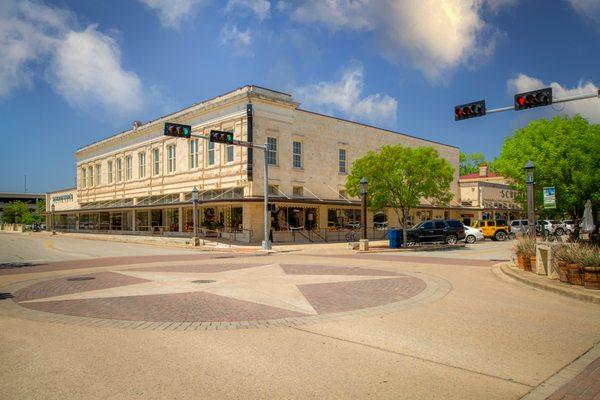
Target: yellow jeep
pixel 495 229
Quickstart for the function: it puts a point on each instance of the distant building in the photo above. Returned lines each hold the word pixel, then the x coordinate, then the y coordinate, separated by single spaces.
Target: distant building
pixel 490 195
pixel 28 198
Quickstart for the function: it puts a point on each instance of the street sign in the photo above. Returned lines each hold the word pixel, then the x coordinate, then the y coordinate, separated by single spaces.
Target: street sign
pixel 549 197
pixel 221 137
pixel 178 130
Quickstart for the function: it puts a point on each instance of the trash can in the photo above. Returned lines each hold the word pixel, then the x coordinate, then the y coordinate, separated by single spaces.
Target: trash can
pixel 395 238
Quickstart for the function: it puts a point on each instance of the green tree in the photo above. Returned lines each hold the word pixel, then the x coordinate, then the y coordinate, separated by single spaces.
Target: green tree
pixel 400 176
pixel 566 155
pixel 16 212
pixel 469 163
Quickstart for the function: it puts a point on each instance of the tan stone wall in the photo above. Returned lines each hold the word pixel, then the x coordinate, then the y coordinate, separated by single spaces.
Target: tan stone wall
pixel 321 139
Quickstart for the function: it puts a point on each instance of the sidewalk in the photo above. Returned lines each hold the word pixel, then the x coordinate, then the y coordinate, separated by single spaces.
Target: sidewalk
pixel 551 285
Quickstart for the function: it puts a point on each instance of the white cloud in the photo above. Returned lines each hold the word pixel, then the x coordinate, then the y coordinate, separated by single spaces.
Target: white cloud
pixel 436 36
pixel 587 8
pixel 86 69
pixel 589 108
pixel 83 66
pixel 261 8
pixel 346 96
pixel 172 12
pixel 239 41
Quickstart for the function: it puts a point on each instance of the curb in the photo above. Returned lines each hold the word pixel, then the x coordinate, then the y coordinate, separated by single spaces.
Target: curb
pixel 551 286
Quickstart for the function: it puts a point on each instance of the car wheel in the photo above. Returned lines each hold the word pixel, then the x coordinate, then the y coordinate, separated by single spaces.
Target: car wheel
pixel 471 239
pixel 500 235
pixel 512 235
pixel 559 231
pixel 568 232
pixel 451 239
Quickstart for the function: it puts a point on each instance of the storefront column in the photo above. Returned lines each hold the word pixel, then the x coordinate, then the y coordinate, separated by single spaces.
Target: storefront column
pixel 180 218
pixel 77 221
pixel 133 222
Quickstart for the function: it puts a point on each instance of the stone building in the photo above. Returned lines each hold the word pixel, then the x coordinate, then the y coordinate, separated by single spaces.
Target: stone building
pixel 489 195
pixel 141 181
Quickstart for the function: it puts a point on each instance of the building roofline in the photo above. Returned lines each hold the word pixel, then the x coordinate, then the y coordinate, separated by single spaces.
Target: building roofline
pixel 375 127
pixel 63 190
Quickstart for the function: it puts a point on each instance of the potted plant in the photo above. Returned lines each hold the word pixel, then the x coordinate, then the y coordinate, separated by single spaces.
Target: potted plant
pixel 562 256
pixel 590 263
pixel 525 251
pixel 574 264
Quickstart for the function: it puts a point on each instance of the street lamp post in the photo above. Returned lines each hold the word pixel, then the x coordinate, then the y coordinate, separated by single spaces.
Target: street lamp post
pixel 363 201
pixel 266 244
pixel 530 182
pixel 53 221
pixel 195 203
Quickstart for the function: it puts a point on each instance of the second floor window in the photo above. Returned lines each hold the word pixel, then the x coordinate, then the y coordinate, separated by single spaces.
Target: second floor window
pixel 229 153
pixel 342 161
pixel 193 158
pixel 297 154
pixel 119 169
pixel 110 172
pixel 90 176
pixel 83 177
pixel 128 168
pixel 298 191
pixel 142 165
pixel 272 151
pixel 155 162
pixel 211 153
pixel 98 174
pixel 171 158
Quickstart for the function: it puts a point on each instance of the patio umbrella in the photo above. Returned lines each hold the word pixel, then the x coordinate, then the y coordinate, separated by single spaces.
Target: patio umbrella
pixel 587 223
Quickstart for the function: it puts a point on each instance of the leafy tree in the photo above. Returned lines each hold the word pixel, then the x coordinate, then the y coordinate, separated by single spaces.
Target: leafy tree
pixel 16 212
pixel 566 155
pixel 469 163
pixel 400 176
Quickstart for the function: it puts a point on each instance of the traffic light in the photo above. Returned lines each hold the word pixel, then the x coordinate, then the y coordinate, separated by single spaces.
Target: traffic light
pixel 221 137
pixel 178 130
pixel 470 110
pixel 535 98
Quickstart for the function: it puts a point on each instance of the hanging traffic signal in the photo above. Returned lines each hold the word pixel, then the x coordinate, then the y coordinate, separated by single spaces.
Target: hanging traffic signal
pixel 535 98
pixel 178 130
pixel 221 137
pixel 470 110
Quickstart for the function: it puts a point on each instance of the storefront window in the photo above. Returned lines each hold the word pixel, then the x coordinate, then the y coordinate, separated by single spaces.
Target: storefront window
pixel 294 218
pixel 173 220
pixel 348 218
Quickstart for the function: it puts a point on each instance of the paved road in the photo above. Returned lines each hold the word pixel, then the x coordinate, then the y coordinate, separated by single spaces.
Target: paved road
pixel 173 325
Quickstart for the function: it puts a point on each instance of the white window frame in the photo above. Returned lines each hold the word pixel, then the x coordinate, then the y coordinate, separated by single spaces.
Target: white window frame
pixel 229 152
pixel 272 151
pixel 90 176
pixel 142 164
pixel 128 168
pixel 98 174
pixel 342 161
pixel 193 154
pixel 171 158
pixel 156 162
pixel 110 171
pixel 210 153
pixel 83 177
pixel 119 169
pixel 297 155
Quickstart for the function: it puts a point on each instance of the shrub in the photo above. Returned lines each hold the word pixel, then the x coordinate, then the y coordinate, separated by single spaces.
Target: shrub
pixel 588 256
pixel 525 246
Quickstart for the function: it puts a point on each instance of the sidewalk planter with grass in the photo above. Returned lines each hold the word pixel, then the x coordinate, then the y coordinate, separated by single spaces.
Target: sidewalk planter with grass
pixel 589 260
pixel 525 250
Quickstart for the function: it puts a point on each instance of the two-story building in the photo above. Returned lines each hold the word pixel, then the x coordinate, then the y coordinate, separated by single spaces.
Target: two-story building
pixel 141 181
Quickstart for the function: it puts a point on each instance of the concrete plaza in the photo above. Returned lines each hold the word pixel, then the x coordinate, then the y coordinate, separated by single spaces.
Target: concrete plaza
pixel 86 319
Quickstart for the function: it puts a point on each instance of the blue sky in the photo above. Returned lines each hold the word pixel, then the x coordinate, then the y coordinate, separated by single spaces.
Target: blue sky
pixel 72 72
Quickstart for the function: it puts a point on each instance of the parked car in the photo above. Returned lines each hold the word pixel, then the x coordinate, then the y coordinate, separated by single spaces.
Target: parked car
pixel 495 229
pixel 519 226
pixel 472 235
pixel 550 227
pixel 449 231
pixel 568 226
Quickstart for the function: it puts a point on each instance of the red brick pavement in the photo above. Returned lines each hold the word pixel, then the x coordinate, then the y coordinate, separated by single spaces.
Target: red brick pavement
pixel 585 386
pixel 202 307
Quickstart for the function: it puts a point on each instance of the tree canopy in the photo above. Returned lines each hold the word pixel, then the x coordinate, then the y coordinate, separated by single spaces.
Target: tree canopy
pixel 18 212
pixel 469 163
pixel 566 155
pixel 400 176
